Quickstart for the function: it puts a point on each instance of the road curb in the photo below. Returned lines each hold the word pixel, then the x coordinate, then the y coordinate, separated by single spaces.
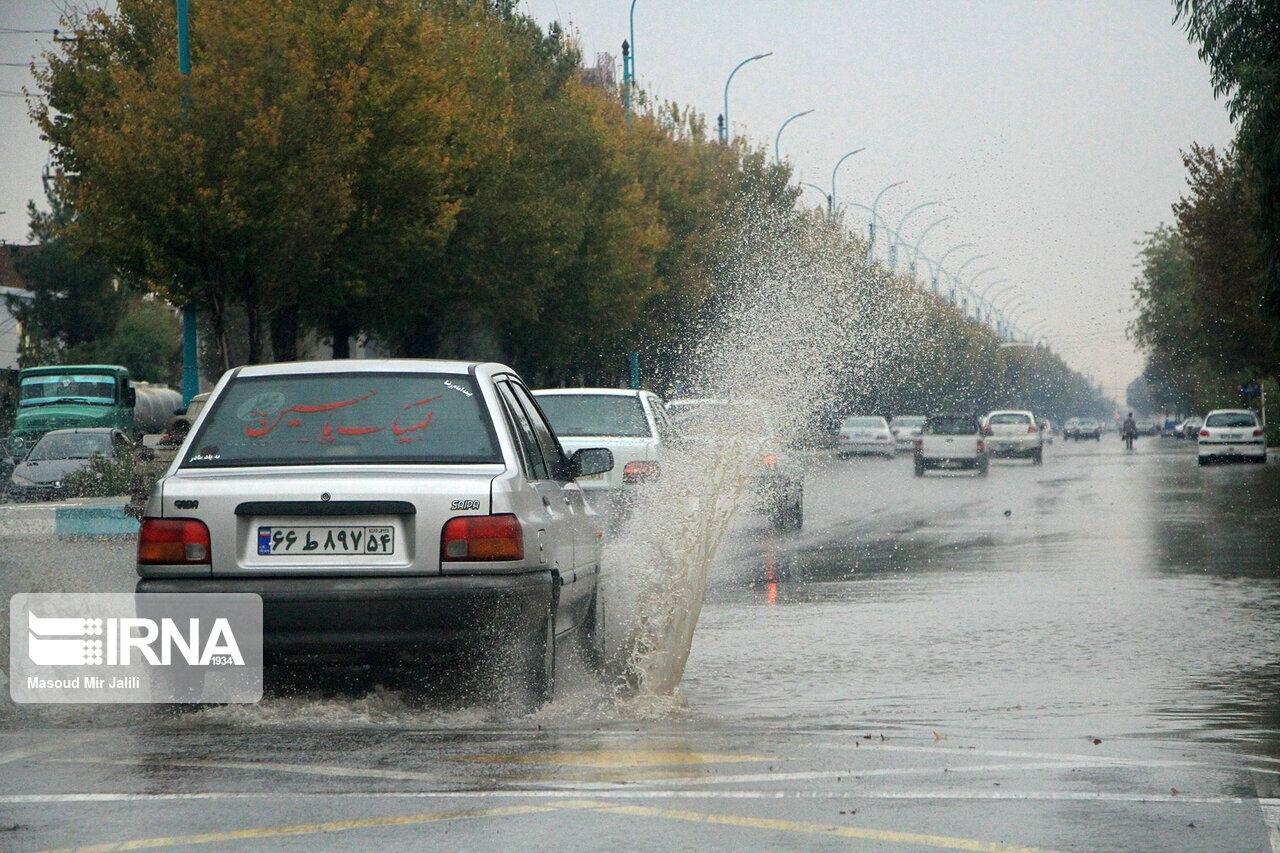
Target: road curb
pixel 91 518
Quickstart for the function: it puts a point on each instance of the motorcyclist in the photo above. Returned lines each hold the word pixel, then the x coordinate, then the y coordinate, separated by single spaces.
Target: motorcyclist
pixel 1129 431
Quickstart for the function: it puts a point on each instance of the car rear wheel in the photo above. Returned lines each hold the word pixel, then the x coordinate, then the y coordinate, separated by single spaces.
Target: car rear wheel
pixel 1037 456
pixel 535 662
pixel 919 468
pixel 983 467
pixel 591 637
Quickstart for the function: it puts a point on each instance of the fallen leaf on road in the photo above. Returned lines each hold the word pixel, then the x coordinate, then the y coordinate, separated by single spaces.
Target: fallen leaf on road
pixel 1097 741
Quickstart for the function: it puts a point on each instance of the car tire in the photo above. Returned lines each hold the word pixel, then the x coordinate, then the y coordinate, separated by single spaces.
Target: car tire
pixel 536 672
pixel 919 468
pixel 983 467
pixel 1037 456
pixel 590 635
pixel 1202 460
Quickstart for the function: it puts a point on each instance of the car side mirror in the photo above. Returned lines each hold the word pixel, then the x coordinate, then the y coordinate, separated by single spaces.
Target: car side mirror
pixel 589 461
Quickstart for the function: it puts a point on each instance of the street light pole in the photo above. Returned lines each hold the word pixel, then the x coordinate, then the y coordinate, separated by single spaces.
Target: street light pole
pixel 724 131
pixel 915 250
pixel 190 343
pixel 955 277
pixel 937 268
pixel 821 190
pixel 835 169
pixel 972 281
pixel 777 138
pixel 875 205
pixel 893 247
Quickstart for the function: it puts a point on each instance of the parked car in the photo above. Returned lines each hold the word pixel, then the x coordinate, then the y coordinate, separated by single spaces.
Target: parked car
pixel 1148 426
pixel 951 442
pixel 1069 429
pixel 58 454
pixel 906 429
pixel 385 510
pixel 1190 428
pixel 779 485
pixel 865 434
pixel 1014 434
pixel 1231 434
pixel 1087 428
pixel 632 424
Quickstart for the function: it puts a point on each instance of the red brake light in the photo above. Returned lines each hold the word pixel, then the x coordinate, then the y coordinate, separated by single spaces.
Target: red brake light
pixel 1257 433
pixel 1204 433
pixel 982 446
pixel 173 541
pixel 986 430
pixel 473 538
pixel 1031 429
pixel 919 443
pixel 640 471
pixel 770 460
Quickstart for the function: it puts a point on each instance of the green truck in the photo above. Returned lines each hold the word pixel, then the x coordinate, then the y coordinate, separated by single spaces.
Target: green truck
pixel 69 396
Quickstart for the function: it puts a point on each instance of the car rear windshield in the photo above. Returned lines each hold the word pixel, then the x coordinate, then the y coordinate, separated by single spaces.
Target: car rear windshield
pixel 1009 418
pixel 345 418
pixel 864 423
pixel 910 421
pixel 595 414
pixel 951 426
pixel 1230 420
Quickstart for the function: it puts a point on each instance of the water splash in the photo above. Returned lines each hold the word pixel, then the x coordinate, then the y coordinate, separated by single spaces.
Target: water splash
pixel 803 316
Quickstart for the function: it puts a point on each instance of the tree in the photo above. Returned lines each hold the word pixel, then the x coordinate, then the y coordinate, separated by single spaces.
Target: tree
pixel 1240 40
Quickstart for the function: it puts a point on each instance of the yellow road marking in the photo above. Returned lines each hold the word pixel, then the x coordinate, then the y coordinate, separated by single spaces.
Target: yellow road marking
pixel 614 758
pixel 256 833
pixel 804 827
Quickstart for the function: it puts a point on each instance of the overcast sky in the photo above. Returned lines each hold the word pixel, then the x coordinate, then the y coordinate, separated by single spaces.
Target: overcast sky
pixel 1050 130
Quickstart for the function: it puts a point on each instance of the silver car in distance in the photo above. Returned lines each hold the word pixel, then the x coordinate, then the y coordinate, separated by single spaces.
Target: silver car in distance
pixel 385 510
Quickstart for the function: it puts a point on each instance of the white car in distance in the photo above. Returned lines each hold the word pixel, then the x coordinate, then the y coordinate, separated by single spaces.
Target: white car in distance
pixel 951 442
pixel 632 424
pixel 1231 434
pixel 906 429
pixel 865 434
pixel 1014 434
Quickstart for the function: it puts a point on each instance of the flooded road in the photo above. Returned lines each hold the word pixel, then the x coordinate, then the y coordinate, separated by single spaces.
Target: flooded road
pixel 1078 656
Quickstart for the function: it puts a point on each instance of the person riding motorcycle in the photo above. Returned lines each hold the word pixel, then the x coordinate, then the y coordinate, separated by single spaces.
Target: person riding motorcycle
pixel 1129 431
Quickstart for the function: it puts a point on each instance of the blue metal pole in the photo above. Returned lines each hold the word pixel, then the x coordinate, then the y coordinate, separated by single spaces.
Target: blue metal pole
pixel 777 139
pixel 893 247
pixel 633 362
pixel 724 133
pixel 832 198
pixel 875 206
pixel 937 268
pixel 190 347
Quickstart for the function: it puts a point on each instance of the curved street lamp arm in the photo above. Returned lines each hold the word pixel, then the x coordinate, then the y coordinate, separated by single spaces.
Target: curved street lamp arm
pixel 903 220
pixel 777 139
pixel 915 251
pixel 730 80
pixel 836 168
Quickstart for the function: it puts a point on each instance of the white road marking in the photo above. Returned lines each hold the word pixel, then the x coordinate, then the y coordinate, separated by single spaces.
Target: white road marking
pixel 307 769
pixel 537 793
pixel 849 774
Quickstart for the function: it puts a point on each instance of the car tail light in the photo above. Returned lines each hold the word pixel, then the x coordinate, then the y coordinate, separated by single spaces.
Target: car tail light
pixel 1204 433
pixel 919 442
pixel 473 538
pixel 640 471
pixel 770 460
pixel 1031 429
pixel 1257 433
pixel 982 446
pixel 986 430
pixel 173 541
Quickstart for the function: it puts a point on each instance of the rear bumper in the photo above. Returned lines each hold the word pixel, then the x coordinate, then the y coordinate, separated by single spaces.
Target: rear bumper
pixel 957 462
pixel 349 615
pixel 1231 449
pixel 1011 447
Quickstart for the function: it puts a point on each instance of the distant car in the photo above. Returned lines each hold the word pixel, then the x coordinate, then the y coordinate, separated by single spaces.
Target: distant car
pixel 951 442
pixel 1069 429
pixel 1088 428
pixel 1148 426
pixel 1014 434
pixel 906 429
pixel 865 434
pixel 1231 434
pixel 779 483
pixel 633 424
pixel 57 455
pixel 178 427
pixel 1190 428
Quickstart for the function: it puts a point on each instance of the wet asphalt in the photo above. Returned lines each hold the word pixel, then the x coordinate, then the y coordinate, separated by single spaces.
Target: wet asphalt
pixel 1079 656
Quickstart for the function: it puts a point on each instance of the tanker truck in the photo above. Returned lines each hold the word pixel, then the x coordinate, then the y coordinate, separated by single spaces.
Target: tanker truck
pixel 68 396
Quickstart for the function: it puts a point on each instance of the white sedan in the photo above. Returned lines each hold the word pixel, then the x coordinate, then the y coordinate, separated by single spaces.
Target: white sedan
pixel 632 424
pixel 864 434
pixel 906 429
pixel 1231 434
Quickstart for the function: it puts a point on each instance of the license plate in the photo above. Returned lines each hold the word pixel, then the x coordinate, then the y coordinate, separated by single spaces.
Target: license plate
pixel 346 539
pixel 1233 436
